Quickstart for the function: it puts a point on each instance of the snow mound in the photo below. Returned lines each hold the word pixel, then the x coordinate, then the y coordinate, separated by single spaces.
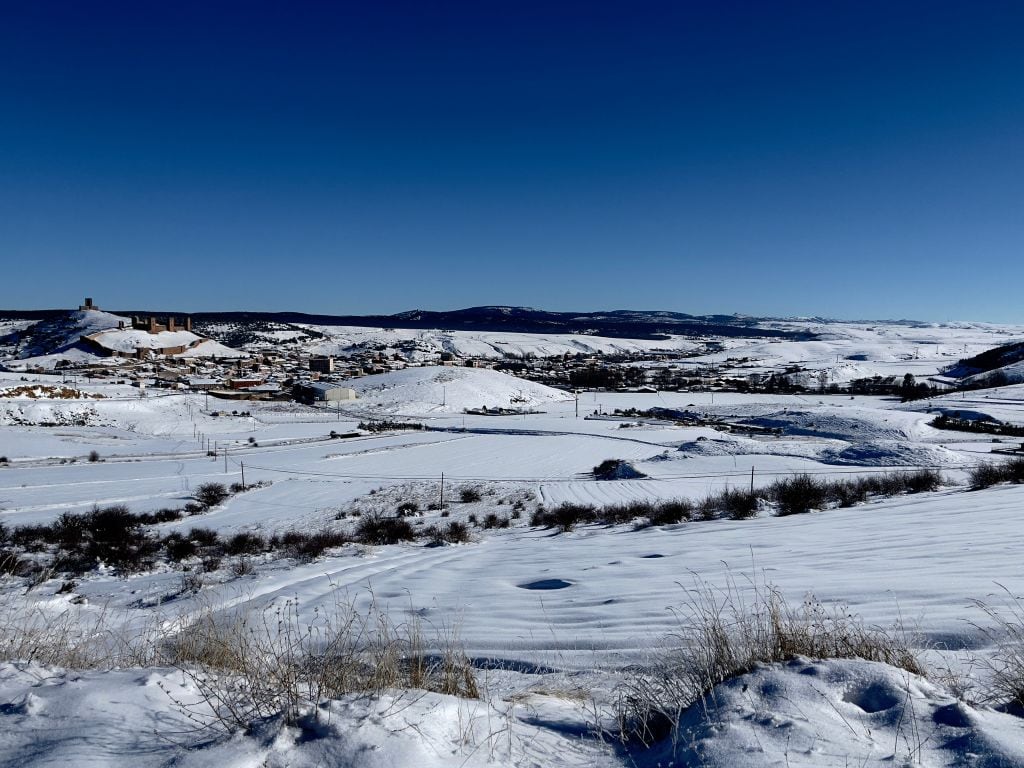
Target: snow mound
pixel 854 424
pixel 892 453
pixel 869 453
pixel 211 348
pixel 135 718
pixel 837 713
pixel 438 389
pixel 742 446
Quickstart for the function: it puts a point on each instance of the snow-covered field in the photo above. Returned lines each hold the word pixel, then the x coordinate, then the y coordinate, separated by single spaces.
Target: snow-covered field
pixel 340 339
pixel 552 622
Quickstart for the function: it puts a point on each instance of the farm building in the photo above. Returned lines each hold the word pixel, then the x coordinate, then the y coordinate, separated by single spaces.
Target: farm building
pixel 317 392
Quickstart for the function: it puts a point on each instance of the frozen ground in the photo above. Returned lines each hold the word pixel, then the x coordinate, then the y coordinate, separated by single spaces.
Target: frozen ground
pixel 550 620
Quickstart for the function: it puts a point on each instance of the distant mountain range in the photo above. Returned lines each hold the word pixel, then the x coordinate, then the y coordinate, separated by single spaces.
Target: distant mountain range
pixel 616 324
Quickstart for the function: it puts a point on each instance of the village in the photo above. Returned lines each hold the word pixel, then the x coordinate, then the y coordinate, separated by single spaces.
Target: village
pixel 171 353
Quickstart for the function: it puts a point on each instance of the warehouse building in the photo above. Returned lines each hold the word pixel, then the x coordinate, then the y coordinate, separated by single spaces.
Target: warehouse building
pixel 311 393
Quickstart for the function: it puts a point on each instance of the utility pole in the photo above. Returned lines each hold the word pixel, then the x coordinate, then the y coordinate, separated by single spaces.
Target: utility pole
pixel 577 403
pixel 225 459
pixel 442 492
pixel 751 479
pixel 242 464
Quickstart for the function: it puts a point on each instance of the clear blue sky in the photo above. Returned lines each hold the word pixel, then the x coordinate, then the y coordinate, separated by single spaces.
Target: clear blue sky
pixel 850 159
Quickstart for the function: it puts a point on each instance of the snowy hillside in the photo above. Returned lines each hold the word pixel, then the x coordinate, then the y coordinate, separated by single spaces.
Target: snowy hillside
pixel 450 389
pixel 48 342
pixel 64 332
pixel 475 531
pixel 342 340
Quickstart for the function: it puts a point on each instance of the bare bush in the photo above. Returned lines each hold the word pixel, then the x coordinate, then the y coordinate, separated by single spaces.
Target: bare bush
pixel 72 637
pixel 306 547
pixel 250 667
pixel 408 508
pixel 797 495
pixel 984 475
pixel 565 516
pixel 211 494
pixel 1013 470
pixel 738 504
pixel 375 529
pixel 470 495
pixel 245 543
pixel 670 512
pixel 453 533
pixel 987 474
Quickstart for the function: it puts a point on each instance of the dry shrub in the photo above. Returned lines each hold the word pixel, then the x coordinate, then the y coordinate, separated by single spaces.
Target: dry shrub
pixel 211 494
pixel 986 475
pixel 725 633
pixel 671 512
pixel 738 504
pixel 250 667
pixel 470 495
pixel 797 495
pixel 565 516
pixel 375 529
pixel 453 533
pixel 247 666
pixel 1004 666
pixel 74 637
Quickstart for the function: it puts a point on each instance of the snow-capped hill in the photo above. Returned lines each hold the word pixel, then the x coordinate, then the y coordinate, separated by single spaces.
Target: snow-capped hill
pixel 84 334
pixel 440 389
pixel 64 332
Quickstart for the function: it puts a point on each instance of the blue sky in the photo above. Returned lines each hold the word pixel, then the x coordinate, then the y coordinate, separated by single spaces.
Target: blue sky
pixel 848 159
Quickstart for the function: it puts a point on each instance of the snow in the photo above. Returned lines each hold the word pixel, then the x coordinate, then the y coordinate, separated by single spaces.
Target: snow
pixel 343 339
pixel 547 658
pixel 449 389
pixel 838 713
pixel 59 339
pixel 128 340
pixel 128 718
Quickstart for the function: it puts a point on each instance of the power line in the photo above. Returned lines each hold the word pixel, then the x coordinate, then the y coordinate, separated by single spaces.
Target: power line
pixel 583 479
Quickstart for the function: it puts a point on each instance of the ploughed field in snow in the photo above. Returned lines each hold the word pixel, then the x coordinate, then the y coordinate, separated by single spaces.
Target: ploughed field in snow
pixel 550 620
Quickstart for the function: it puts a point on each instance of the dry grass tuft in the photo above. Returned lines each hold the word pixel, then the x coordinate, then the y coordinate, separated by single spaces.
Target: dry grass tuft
pixel 724 633
pixel 249 667
pixel 1004 665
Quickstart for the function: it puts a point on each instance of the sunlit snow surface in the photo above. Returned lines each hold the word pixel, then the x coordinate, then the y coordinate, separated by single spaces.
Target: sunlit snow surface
pixel 545 615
